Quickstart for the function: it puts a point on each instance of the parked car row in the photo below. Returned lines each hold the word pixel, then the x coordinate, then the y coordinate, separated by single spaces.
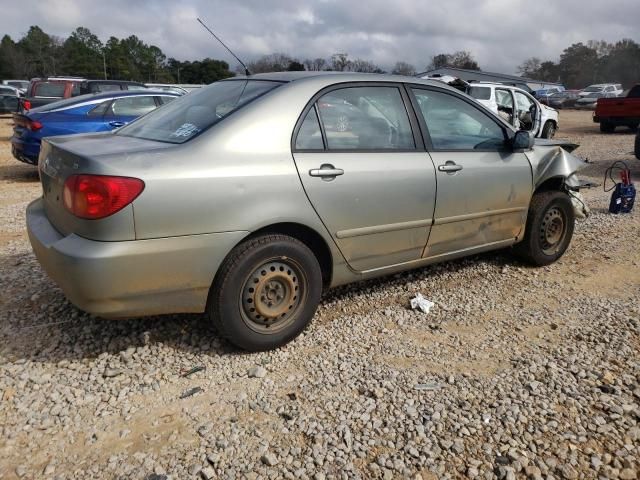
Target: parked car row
pixel 23 95
pixel 587 98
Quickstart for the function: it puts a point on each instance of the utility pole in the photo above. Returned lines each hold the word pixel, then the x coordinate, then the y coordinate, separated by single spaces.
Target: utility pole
pixel 104 65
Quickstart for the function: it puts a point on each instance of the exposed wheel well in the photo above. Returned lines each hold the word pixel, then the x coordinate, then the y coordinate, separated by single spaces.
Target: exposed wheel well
pixel 554 183
pixel 311 239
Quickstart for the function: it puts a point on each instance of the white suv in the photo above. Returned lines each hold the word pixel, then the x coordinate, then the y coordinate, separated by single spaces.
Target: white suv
pixel 517 107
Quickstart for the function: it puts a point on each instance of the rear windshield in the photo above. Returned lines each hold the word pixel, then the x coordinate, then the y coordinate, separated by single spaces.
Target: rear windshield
pixel 50 89
pixel 191 114
pixel 480 93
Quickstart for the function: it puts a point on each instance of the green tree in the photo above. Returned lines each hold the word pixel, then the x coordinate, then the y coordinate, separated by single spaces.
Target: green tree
pixel 10 61
pixel 578 65
pixel 39 52
pixel 82 54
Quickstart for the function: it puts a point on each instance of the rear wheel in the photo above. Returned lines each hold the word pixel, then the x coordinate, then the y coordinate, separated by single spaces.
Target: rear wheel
pixel 607 127
pixel 549 228
pixel 266 292
pixel 549 130
pixel 637 147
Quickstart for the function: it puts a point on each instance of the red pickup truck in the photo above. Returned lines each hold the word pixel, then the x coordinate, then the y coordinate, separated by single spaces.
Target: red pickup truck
pixel 615 112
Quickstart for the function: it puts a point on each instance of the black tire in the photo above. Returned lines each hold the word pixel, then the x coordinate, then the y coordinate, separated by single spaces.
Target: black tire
pixel 266 292
pixel 607 127
pixel 633 126
pixel 549 228
pixel 637 147
pixel 549 130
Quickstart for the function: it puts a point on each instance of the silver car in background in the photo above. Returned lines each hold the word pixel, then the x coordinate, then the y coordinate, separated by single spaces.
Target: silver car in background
pixel 247 198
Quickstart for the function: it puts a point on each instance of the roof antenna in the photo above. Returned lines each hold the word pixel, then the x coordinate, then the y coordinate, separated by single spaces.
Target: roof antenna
pixel 246 70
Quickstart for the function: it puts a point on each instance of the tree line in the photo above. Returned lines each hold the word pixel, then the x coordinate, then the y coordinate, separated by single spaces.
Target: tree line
pixel 584 64
pixel 83 54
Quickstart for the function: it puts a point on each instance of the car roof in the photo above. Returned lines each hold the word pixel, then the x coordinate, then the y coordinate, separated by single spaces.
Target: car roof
pixel 336 77
pixel 114 82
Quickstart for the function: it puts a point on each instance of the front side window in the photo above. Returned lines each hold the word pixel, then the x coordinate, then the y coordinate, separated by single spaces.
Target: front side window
pixel 132 106
pixel 365 118
pixel 524 103
pixel 191 114
pixel 454 124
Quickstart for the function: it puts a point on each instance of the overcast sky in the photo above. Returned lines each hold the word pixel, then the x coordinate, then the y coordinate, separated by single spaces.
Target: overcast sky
pixel 500 33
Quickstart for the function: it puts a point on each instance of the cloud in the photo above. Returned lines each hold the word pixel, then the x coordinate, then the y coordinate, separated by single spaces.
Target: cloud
pixel 500 33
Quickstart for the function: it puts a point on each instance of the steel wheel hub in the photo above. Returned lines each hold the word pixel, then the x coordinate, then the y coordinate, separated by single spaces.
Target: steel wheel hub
pixel 552 230
pixel 271 296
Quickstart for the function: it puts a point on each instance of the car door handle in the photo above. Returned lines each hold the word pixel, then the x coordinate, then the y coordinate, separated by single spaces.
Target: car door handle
pixel 117 124
pixel 449 167
pixel 326 171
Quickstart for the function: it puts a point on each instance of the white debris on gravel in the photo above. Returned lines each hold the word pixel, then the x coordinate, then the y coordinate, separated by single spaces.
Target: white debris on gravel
pixel 538 372
pixel 418 302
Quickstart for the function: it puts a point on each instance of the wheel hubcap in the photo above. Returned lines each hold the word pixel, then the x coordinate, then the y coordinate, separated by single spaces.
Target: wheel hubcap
pixel 272 295
pixel 552 231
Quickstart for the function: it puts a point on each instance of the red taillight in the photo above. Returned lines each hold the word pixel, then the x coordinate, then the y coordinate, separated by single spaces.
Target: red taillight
pixel 34 125
pixel 98 196
pixel 26 104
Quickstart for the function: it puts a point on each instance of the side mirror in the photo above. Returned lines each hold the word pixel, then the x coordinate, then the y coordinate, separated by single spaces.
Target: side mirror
pixel 521 141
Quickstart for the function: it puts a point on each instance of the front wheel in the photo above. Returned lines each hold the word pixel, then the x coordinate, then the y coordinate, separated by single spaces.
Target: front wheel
pixel 266 292
pixel 549 130
pixel 549 228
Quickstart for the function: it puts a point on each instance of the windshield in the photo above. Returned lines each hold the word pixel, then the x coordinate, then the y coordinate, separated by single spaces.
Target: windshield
pixel 593 89
pixel 191 114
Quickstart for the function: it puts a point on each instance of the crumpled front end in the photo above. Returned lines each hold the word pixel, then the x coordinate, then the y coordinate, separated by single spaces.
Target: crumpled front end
pixel 554 161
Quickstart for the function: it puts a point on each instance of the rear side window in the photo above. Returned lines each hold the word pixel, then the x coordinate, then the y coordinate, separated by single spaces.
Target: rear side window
pixel 310 136
pixel 186 117
pixel 133 106
pixel 480 93
pixel 454 124
pixel 365 118
pixel 100 109
pixel 166 99
pixel 49 89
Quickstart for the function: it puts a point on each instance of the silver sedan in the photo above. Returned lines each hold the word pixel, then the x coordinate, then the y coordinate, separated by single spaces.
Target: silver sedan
pixel 248 198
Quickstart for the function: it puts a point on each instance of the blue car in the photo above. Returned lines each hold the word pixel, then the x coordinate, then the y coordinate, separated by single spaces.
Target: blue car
pixel 98 112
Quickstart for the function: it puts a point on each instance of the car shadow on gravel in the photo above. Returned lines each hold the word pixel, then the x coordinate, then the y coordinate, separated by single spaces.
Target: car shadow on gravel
pixel 19 172
pixel 37 322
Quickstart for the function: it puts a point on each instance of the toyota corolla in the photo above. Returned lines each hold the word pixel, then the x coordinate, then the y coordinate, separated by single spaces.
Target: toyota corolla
pixel 248 198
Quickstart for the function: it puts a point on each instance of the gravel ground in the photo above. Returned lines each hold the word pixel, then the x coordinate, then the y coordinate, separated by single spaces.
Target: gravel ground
pixel 516 373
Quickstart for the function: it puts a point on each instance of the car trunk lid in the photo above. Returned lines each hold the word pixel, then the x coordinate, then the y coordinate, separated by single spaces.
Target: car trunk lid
pixel 61 157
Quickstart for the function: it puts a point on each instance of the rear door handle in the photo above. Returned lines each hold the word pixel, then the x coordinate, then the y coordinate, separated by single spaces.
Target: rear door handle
pixel 326 171
pixel 449 167
pixel 116 124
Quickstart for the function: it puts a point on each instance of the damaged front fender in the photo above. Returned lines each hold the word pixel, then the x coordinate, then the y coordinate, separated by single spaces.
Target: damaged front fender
pixel 554 161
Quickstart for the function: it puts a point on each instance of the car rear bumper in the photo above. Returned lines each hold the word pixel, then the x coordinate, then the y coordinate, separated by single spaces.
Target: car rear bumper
pixel 130 278
pixel 25 151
